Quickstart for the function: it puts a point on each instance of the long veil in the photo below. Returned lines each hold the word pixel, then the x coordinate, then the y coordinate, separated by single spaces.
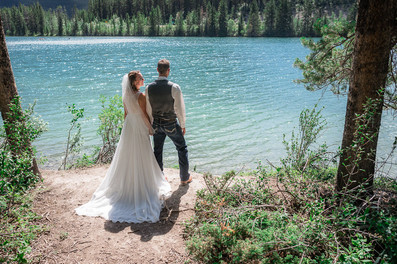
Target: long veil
pixel 130 100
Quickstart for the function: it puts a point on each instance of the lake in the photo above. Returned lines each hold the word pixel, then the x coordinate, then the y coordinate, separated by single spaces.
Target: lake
pixel 239 93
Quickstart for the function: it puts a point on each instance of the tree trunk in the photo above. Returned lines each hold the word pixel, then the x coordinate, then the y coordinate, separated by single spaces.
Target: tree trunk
pixel 8 88
pixel 373 38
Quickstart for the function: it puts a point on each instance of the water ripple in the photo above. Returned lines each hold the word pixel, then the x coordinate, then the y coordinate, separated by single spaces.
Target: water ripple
pixel 239 92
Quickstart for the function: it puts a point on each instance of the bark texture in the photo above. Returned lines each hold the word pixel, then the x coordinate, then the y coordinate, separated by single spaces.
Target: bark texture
pixel 373 43
pixel 8 88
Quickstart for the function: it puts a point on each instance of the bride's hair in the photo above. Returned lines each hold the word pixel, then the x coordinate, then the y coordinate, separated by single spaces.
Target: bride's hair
pixel 132 77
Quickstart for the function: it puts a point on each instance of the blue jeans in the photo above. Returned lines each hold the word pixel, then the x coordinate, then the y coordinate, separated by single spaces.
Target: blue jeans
pixel 174 132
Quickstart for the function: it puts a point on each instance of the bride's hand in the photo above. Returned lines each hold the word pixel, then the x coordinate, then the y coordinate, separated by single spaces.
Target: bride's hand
pixel 151 132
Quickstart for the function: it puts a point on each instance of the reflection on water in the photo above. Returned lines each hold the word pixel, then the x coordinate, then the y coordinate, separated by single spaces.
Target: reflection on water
pixel 239 92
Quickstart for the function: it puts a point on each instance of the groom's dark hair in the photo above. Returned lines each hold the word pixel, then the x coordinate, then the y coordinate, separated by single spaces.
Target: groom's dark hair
pixel 163 65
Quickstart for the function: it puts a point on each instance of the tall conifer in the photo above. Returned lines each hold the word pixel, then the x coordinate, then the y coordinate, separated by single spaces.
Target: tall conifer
pixel 223 19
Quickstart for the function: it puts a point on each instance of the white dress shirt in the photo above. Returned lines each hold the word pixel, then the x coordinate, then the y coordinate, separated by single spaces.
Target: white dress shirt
pixel 179 104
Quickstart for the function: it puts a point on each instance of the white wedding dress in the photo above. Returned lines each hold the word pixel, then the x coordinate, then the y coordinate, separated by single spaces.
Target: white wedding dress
pixel 134 188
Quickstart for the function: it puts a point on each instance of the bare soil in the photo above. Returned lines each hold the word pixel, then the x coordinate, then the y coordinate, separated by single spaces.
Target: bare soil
pixel 79 239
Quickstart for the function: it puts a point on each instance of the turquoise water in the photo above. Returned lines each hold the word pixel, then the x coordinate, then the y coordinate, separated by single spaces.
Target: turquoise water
pixel 239 92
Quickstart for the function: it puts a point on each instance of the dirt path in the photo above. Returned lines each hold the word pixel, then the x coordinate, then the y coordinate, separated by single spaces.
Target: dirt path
pixel 77 239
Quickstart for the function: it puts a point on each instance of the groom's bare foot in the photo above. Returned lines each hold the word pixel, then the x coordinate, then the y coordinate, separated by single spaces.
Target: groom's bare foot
pixel 187 182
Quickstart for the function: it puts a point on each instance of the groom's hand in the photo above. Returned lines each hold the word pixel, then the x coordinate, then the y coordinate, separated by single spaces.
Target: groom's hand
pixel 183 131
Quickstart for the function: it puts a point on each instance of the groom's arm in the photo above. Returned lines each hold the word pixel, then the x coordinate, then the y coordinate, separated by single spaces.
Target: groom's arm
pixel 179 105
pixel 148 106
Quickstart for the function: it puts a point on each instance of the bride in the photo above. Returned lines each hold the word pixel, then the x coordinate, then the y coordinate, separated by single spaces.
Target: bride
pixel 134 188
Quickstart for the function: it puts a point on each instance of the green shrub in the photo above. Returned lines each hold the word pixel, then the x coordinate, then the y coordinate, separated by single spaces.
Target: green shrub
pixel 74 140
pixel 16 179
pixel 112 120
pixel 292 213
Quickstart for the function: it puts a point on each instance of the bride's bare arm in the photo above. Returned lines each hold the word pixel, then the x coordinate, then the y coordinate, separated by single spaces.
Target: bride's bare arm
pixel 125 111
pixel 142 104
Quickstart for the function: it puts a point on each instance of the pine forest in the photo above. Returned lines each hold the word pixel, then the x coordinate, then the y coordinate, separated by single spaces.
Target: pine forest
pixel 209 18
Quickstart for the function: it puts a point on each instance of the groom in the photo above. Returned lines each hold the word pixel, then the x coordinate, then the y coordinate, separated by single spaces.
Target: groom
pixel 164 105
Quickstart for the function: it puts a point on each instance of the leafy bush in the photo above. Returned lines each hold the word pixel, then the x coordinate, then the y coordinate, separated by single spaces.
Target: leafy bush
pixel 112 120
pixel 74 140
pixel 16 178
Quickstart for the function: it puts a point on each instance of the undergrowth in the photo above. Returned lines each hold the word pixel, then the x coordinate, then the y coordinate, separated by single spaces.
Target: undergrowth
pixel 291 213
pixel 17 228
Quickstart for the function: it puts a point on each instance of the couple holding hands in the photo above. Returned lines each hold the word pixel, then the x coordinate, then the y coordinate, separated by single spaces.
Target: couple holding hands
pixel 135 188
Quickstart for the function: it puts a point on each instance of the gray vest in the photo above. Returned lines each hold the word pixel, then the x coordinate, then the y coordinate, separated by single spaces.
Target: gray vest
pixel 160 98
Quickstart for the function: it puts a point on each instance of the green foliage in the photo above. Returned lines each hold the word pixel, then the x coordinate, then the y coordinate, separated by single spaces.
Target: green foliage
pixel 74 140
pixel 112 120
pixel 270 16
pixel 362 136
pixel 17 230
pixel 223 13
pixel 25 127
pixel 84 161
pixel 329 63
pixel 292 213
pixel 254 23
pixel 15 154
pixel 299 155
pixel 16 179
pixel 283 19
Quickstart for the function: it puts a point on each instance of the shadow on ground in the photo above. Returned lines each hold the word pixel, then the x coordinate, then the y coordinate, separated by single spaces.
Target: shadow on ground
pixel 168 217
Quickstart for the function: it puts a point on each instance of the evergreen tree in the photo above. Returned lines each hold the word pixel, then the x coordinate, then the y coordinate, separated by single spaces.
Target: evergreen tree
pixel 203 17
pixel 38 13
pixel 223 19
pixel 283 20
pixel 121 28
pixel 140 25
pixel 170 26
pixel 192 23
pixel 210 22
pixel 159 17
pixel 85 29
pixel 179 31
pixel 20 28
pixel 307 19
pixel 254 21
pixel 152 23
pixel 113 30
pixel 60 21
pixel 241 26
pixel 231 28
pixel 270 16
pixel 128 24
pixel 202 22
pixel 75 27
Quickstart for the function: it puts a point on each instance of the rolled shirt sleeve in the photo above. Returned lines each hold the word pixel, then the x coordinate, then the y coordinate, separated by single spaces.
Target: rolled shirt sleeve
pixel 148 106
pixel 179 104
